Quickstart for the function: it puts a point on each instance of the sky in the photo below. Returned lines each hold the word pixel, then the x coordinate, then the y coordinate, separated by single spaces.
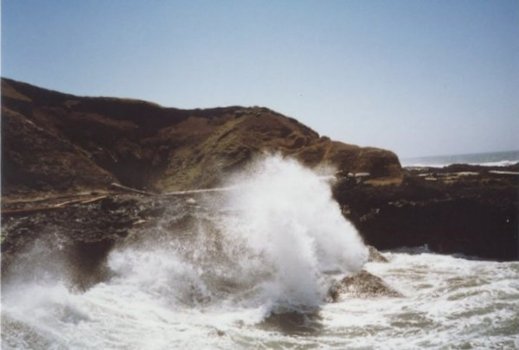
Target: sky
pixel 416 77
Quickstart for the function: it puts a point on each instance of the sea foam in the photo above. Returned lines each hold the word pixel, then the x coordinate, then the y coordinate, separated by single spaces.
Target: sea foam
pixel 272 241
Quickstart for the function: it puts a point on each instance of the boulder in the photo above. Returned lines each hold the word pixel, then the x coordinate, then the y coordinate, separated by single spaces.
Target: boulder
pixel 362 285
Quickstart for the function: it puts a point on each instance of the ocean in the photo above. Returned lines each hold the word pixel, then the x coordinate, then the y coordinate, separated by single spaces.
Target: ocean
pixel 484 159
pixel 251 268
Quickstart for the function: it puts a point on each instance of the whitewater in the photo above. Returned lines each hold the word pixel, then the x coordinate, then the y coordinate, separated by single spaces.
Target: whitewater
pixel 251 267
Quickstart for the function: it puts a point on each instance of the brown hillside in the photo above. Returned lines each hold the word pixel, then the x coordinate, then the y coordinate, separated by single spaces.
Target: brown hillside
pixel 55 142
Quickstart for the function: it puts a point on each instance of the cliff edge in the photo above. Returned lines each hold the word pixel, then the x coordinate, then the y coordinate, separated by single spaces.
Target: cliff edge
pixel 55 142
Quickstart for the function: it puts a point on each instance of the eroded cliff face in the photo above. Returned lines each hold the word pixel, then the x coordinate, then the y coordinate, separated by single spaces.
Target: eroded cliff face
pixel 55 142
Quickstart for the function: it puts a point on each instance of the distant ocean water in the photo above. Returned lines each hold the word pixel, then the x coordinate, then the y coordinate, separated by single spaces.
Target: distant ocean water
pixel 485 159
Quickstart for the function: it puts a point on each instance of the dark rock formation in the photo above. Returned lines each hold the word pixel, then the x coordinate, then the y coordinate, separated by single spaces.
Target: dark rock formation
pixel 79 235
pixel 362 285
pixel 459 209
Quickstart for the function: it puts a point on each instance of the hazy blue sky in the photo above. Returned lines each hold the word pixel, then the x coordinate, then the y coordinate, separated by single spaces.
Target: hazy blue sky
pixel 417 77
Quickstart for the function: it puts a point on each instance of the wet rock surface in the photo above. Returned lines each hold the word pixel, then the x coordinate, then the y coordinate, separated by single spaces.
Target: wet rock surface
pixel 362 285
pixel 81 234
pixel 466 209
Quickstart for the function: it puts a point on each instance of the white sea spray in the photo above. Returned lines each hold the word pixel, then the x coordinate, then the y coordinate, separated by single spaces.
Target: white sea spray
pixel 215 269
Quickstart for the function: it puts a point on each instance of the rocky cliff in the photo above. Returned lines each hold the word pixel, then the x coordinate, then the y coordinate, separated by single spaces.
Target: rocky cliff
pixel 55 142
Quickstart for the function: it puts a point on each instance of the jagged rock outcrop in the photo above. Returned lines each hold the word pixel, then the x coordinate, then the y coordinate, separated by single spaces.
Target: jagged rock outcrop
pixel 59 142
pixel 457 209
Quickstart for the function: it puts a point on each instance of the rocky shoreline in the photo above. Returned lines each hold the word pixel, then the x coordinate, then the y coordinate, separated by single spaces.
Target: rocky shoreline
pixel 475 215
pixel 82 174
pixel 458 209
